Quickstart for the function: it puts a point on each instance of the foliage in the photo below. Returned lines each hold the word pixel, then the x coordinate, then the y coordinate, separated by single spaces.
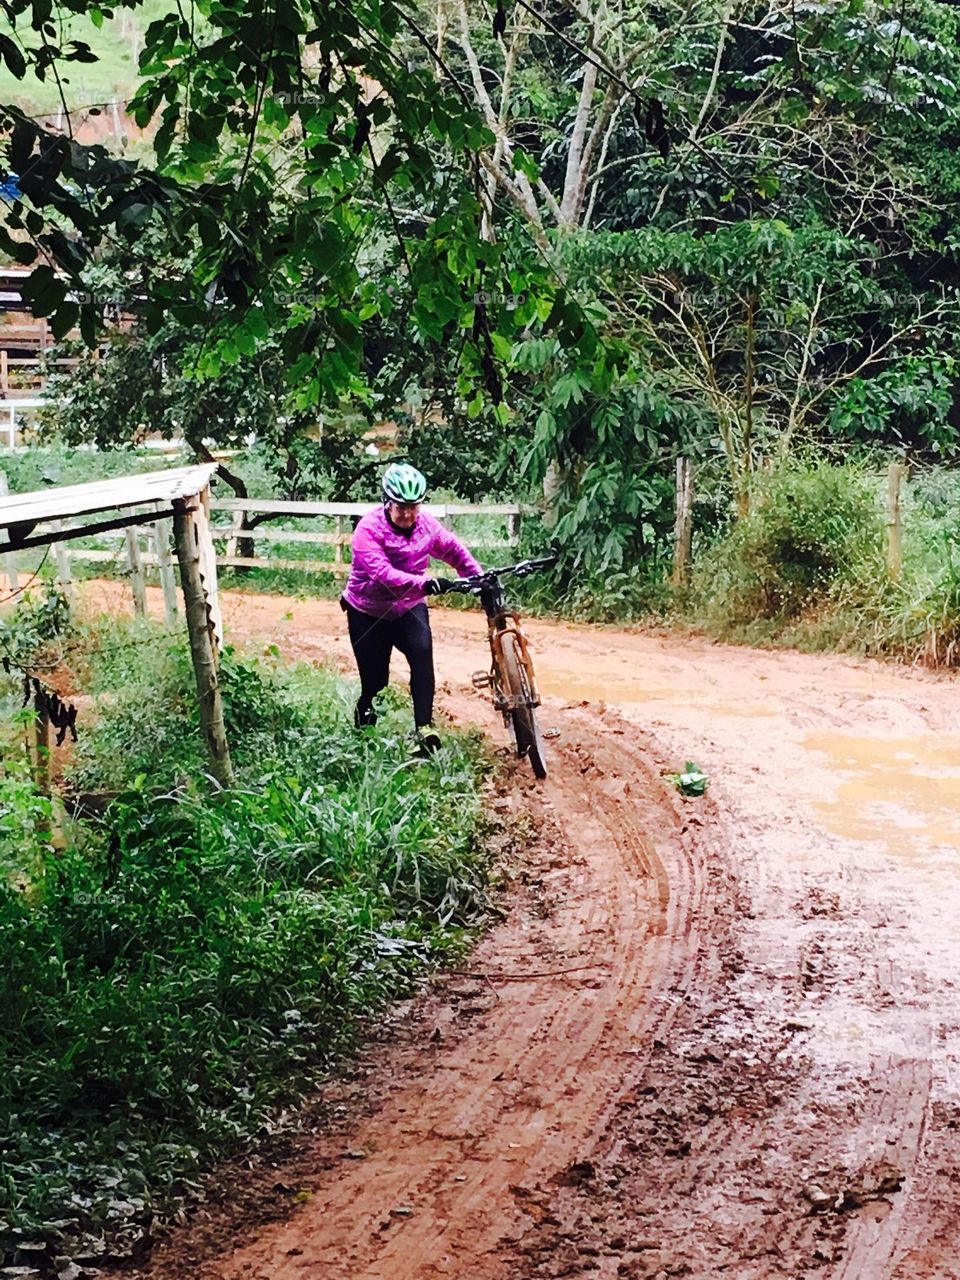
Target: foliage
pixel 909 403
pixel 810 528
pixel 56 463
pixel 191 962
pixel 25 815
pixel 692 782
pixel 34 627
pixel 555 254
pixel 276 211
pixel 757 330
pixel 791 575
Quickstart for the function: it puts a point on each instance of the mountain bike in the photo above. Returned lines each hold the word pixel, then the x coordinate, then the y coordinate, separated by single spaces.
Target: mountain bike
pixel 511 677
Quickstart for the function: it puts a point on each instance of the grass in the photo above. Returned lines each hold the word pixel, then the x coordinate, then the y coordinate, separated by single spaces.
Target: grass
pixel 807 568
pixel 194 961
pixel 113 76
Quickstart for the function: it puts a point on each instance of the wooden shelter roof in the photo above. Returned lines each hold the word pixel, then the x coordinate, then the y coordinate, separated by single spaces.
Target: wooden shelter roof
pixel 130 500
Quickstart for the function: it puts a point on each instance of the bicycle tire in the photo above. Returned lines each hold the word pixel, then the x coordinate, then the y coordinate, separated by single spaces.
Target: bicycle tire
pixel 526 728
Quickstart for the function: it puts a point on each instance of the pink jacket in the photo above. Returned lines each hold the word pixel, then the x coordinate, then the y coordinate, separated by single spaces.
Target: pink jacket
pixel 389 571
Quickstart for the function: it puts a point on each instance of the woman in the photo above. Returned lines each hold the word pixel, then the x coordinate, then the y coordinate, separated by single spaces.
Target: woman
pixel 384 596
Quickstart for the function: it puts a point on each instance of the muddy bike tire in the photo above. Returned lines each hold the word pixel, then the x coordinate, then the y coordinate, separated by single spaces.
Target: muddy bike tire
pixel 526 728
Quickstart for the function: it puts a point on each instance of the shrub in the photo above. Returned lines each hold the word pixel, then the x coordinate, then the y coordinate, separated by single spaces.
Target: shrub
pixel 192 961
pixel 810 528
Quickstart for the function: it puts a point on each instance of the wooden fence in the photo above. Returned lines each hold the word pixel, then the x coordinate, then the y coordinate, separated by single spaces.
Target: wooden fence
pixel 132 558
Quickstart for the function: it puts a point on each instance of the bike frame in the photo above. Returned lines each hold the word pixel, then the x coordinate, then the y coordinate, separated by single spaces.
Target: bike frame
pixel 502 620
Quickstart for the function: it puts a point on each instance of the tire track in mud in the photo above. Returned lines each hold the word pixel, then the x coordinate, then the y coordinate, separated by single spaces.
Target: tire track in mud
pixel 729 1137
pixel 456 1155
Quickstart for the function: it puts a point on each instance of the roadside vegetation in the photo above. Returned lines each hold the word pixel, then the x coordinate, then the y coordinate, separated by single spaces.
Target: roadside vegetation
pixel 179 965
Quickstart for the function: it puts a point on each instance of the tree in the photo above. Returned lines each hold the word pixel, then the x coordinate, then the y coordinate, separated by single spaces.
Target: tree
pixel 287 136
pixel 758 327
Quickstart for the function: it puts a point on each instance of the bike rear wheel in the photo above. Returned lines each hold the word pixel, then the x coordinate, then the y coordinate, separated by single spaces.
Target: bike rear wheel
pixel 526 728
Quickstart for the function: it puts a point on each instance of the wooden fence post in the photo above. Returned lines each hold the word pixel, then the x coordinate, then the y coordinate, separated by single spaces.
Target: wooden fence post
pixel 161 545
pixel 62 558
pixel 683 525
pixel 208 569
pixel 341 528
pixel 135 568
pixel 894 520
pixel 42 742
pixel 513 528
pixel 189 537
pixel 9 559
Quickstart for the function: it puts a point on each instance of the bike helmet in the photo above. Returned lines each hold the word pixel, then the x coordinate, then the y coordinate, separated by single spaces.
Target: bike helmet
pixel 403 483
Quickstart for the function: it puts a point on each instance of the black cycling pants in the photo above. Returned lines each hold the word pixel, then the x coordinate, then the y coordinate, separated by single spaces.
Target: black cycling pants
pixel 373 641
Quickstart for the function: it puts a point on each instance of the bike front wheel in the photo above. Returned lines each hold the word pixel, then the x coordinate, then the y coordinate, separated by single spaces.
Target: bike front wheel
pixel 526 728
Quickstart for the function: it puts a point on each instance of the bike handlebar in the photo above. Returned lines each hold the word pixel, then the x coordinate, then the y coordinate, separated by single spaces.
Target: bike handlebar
pixel 520 570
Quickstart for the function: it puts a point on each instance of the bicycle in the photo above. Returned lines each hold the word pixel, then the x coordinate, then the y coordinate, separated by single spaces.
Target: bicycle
pixel 511 677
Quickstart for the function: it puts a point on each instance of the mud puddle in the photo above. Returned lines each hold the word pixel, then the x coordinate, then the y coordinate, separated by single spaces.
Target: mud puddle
pixel 901 793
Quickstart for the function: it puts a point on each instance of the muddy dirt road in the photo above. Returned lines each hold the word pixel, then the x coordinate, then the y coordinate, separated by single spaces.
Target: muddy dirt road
pixel 714 1038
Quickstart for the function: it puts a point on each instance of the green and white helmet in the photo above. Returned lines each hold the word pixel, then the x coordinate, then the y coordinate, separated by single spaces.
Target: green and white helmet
pixel 403 483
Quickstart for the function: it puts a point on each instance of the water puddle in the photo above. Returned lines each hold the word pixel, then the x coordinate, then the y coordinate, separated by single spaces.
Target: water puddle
pixel 903 793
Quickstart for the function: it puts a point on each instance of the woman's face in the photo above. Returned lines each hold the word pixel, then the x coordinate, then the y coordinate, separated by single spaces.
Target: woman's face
pixel 404 514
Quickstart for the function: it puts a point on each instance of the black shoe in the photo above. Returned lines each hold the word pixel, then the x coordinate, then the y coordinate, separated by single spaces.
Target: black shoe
pixel 364 717
pixel 429 743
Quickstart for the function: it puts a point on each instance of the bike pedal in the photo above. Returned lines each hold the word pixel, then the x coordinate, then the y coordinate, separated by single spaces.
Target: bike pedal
pixel 482 679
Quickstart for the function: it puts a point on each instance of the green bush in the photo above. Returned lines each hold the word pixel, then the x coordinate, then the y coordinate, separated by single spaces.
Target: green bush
pixel 810 529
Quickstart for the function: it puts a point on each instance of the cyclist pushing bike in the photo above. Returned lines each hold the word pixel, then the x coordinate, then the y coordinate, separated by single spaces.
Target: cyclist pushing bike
pixel 384 598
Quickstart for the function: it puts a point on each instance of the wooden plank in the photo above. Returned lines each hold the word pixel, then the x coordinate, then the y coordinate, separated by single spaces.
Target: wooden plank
pixel 308 566
pixel 62 559
pixel 488 509
pixel 280 506
pixel 55 531
pixel 232 533
pixel 9 560
pixel 161 534
pixel 107 557
pixel 106 495
pixel 138 583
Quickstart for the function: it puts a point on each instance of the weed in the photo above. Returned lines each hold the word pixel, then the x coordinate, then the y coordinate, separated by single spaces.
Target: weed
pixel 192 962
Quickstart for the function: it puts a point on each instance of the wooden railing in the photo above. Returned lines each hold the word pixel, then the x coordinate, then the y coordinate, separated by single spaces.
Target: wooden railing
pixel 132 557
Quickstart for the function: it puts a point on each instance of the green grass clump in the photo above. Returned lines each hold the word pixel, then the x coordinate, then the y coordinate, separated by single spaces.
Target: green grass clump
pixel 807 567
pixel 810 530
pixel 193 961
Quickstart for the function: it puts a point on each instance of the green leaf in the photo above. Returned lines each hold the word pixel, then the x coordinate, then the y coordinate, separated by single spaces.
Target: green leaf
pixel 692 782
pixel 13 57
pixel 64 319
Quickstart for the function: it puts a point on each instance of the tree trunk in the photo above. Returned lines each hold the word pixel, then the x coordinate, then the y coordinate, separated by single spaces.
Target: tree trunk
pixel 574 182
pixel 683 525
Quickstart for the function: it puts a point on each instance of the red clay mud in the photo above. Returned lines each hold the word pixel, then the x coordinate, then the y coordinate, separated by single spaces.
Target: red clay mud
pixel 714 1038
